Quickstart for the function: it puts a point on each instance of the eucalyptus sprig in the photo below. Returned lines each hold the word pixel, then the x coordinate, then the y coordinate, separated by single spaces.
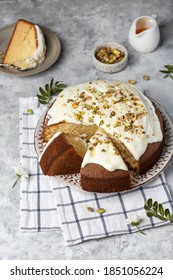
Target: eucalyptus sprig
pixel 50 90
pixel 156 209
pixel 168 71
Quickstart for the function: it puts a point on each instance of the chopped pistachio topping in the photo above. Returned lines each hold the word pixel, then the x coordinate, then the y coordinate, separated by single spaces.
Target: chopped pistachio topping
pixel 101 210
pixel 146 78
pixel 30 111
pixel 90 209
pixel 132 82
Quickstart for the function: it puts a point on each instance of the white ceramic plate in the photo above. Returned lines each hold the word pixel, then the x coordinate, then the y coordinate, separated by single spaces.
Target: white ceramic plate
pixel 53 49
pixel 138 180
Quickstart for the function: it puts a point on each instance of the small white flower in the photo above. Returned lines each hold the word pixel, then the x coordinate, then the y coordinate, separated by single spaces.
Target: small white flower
pixel 21 173
pixel 134 220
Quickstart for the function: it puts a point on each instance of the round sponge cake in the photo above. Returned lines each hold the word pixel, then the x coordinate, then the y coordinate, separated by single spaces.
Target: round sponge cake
pixel 110 127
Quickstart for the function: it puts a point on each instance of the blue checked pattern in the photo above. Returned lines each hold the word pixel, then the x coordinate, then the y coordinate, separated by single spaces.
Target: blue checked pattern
pixel 47 204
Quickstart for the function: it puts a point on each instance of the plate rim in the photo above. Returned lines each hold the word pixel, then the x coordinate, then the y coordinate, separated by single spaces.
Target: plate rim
pixel 29 72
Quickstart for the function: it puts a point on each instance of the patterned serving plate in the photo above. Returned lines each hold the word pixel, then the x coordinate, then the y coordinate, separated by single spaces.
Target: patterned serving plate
pixel 73 180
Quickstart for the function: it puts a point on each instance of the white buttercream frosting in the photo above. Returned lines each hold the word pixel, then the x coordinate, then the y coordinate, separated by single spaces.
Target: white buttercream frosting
pixel 101 151
pixel 117 107
pixel 39 53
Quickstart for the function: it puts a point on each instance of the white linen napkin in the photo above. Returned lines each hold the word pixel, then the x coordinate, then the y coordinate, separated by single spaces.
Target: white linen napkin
pixel 47 204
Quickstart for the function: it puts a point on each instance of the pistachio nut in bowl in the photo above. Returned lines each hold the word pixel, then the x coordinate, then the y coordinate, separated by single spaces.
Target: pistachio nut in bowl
pixel 110 57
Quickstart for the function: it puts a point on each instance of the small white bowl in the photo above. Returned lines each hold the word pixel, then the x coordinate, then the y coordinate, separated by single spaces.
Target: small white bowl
pixel 114 67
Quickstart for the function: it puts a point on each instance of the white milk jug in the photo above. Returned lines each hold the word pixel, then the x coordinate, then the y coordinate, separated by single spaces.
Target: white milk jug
pixel 144 34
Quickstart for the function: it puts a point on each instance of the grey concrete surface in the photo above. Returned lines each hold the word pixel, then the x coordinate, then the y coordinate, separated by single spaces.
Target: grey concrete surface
pixel 80 25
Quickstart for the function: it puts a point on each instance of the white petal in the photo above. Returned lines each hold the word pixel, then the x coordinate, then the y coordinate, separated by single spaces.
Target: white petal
pixel 134 218
pixel 21 172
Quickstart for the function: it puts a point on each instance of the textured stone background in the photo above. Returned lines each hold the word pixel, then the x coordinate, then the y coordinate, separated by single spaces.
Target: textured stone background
pixel 80 25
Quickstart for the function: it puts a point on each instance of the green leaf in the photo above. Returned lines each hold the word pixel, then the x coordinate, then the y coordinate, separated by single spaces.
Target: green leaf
pixel 171 218
pixel 168 71
pixel 47 88
pixel 51 83
pixel 150 202
pixel 134 224
pixel 40 97
pixel 56 83
pixel 43 102
pixel 56 90
pixel 155 204
pixel 167 214
pixel 169 66
pixel 60 85
pixel 42 91
pixel 161 210
pixel 160 218
pixel 150 214
pixel 146 207
pixel 164 71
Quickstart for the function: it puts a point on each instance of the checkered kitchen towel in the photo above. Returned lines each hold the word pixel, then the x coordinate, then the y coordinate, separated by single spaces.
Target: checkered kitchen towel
pixel 47 204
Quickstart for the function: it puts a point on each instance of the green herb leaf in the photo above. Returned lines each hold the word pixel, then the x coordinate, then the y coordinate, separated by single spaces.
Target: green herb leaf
pixel 42 91
pixel 51 89
pixel 150 214
pixel 55 90
pixel 167 214
pixel 156 210
pixel 51 83
pixel 169 66
pixel 47 88
pixel 150 202
pixel 155 206
pixel 60 85
pixel 146 207
pixel 161 210
pixel 163 71
pixel 168 71
pixel 44 102
pixel 161 218
pixel 41 97
pixel 172 218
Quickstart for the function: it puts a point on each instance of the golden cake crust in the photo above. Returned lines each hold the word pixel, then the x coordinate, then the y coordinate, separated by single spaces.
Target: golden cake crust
pixel 153 151
pixel 60 158
pixel 95 178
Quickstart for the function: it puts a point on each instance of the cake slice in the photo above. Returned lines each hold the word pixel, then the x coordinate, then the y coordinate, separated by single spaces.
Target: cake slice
pixel 62 154
pixel 26 48
pixel 103 169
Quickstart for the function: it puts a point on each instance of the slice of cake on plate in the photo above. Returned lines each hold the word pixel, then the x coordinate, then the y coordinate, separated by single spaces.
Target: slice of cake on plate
pixel 26 48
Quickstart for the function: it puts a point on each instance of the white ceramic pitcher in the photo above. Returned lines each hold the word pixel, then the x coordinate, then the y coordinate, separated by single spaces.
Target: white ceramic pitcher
pixel 144 34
